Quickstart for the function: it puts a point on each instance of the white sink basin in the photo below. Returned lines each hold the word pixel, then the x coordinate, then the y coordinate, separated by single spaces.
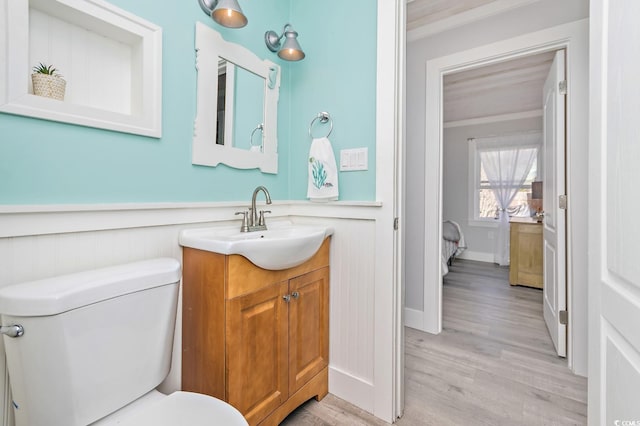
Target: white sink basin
pixel 284 245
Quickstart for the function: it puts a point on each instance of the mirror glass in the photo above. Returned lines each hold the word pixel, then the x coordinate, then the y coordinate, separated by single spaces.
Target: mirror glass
pixel 240 107
pixel 237 100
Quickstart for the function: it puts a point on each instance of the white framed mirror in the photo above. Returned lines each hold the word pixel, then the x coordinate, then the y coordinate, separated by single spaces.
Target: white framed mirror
pixel 237 105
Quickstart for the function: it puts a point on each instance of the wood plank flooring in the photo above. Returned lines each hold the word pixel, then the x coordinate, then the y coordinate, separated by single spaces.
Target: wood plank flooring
pixel 493 364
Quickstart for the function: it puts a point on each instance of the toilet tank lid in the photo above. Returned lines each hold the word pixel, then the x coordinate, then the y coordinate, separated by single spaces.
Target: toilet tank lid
pixel 63 293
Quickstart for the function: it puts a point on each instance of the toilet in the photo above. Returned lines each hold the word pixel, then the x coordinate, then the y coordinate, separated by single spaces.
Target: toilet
pixel 94 347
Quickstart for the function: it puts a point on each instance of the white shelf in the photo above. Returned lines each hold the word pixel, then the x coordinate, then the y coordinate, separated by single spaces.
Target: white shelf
pixel 110 58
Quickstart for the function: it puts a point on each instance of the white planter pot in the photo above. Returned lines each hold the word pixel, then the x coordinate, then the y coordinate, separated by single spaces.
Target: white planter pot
pixel 48 86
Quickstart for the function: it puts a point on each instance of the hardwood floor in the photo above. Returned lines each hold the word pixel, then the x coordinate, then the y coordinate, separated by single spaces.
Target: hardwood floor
pixel 493 364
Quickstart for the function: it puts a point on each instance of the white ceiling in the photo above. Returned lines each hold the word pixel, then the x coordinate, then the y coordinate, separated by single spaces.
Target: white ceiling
pixel 428 17
pixel 425 12
pixel 504 88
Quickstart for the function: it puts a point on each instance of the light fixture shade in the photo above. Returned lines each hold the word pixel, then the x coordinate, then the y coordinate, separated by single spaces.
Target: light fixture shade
pixel 291 50
pixel 229 14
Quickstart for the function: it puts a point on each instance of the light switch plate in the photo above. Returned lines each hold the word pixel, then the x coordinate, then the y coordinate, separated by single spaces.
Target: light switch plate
pixel 354 159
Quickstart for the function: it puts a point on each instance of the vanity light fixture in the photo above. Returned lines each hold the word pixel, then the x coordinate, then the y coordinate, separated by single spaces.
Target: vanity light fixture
pixel 225 12
pixel 290 50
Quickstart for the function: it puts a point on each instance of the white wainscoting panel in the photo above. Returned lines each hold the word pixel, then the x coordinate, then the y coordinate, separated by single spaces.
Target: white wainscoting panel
pixel 351 319
pixel 35 257
pixel 68 245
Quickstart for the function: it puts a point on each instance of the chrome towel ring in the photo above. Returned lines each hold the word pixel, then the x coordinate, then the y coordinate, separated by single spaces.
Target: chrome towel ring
pixel 324 117
pixel 261 128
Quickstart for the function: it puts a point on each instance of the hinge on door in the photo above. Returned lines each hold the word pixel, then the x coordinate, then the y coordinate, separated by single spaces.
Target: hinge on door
pixel 396 223
pixel 562 86
pixel 562 201
pixel 563 317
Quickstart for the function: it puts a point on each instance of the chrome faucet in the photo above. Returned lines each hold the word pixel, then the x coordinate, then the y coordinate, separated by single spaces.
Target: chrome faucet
pixel 255 221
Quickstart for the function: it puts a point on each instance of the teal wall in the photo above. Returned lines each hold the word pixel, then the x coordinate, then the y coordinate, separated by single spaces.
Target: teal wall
pixel 43 162
pixel 338 76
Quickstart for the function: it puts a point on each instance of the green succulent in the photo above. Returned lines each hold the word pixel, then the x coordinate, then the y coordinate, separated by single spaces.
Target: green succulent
pixel 46 69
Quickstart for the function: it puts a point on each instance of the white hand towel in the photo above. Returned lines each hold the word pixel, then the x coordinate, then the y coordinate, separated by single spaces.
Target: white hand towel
pixel 323 172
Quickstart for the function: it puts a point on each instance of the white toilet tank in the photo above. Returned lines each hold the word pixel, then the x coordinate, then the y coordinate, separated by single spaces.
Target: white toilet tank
pixel 93 341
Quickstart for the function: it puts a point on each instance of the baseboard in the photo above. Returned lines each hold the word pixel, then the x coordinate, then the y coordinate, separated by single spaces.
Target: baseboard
pixel 352 389
pixel 414 318
pixel 476 255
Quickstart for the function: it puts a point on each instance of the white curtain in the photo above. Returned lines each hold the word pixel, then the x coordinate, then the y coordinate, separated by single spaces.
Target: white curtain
pixel 507 161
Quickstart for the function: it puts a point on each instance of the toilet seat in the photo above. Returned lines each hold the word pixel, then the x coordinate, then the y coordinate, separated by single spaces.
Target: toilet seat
pixel 185 408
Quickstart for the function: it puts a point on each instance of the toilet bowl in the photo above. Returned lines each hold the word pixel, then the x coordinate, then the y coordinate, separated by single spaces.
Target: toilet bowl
pixel 179 408
pixel 94 347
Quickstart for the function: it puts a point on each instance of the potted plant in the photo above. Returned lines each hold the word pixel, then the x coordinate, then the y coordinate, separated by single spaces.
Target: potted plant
pixel 48 82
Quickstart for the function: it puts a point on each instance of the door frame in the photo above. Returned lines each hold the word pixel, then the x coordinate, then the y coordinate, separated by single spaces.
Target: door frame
pixel 574 38
pixel 388 381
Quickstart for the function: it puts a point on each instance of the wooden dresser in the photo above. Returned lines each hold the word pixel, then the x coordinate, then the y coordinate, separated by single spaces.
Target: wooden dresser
pixel 526 253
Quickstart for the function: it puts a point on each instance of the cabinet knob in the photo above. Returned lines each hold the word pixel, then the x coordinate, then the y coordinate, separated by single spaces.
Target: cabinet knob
pixel 295 294
pixel 286 297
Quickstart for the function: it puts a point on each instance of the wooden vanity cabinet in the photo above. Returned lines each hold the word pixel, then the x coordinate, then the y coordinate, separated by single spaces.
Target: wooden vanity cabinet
pixel 256 338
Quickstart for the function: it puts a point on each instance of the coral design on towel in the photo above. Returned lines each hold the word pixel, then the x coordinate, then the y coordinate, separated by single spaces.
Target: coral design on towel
pixel 319 173
pixel 323 172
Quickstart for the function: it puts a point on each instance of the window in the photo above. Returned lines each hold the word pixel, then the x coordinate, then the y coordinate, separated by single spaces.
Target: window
pixel 483 204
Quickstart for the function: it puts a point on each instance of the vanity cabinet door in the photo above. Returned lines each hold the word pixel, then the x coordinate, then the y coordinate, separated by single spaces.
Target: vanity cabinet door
pixel 308 327
pixel 256 355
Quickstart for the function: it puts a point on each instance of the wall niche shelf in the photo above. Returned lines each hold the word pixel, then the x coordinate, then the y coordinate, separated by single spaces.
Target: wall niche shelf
pixel 110 58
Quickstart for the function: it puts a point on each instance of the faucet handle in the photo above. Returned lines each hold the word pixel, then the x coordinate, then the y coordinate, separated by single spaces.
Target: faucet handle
pixel 261 221
pixel 245 226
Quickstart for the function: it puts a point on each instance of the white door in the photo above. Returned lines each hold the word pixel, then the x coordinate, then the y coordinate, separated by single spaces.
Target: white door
pixel 614 225
pixel 554 223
